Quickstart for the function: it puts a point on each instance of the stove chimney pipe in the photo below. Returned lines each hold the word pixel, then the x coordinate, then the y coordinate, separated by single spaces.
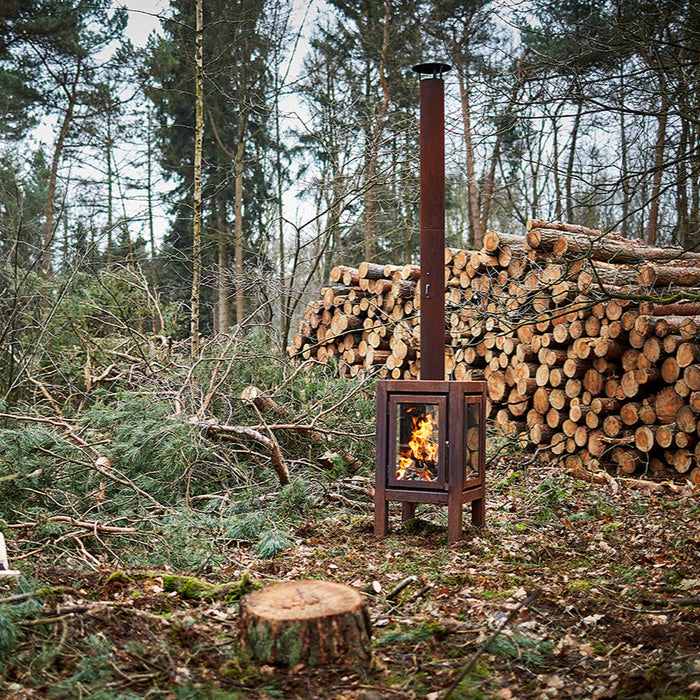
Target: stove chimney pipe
pixel 432 220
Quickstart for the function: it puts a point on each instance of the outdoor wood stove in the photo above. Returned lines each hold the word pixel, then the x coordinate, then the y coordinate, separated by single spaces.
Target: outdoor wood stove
pixel 431 432
pixel 430 449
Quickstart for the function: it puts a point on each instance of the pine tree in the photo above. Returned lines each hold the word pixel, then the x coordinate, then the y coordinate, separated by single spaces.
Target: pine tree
pixel 50 60
pixel 235 192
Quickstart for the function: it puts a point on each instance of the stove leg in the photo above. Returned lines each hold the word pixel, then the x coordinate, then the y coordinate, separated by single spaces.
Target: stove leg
pixel 408 510
pixel 381 518
pixel 454 520
pixel 479 512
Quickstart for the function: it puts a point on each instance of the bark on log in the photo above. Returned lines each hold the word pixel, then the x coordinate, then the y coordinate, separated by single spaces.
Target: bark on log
pixel 691 376
pixel 644 438
pixel 667 405
pixel 371 271
pixel 686 419
pixel 681 308
pixel 614 248
pixel 686 353
pixel 663 275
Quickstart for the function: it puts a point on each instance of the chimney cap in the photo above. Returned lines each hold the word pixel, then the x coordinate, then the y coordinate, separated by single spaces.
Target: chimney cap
pixel 434 69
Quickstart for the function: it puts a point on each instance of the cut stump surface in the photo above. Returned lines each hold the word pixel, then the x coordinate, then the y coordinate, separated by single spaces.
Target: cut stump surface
pixel 306 622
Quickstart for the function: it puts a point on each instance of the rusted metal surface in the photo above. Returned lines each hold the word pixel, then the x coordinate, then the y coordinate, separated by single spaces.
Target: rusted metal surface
pixel 453 487
pixel 449 480
pixel 432 225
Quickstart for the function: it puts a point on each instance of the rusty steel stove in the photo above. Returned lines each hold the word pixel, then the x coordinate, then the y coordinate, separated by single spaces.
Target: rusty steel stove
pixel 430 432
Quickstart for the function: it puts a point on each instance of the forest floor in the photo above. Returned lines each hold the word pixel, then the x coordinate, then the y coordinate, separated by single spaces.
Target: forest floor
pixel 616 569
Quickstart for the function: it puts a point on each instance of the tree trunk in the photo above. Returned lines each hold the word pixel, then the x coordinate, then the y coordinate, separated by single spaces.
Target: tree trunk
pixel 373 146
pixel 238 226
pixel 623 159
pixel 197 194
pixel 694 235
pixel 46 265
pixel 653 226
pixel 110 193
pixel 149 196
pixel 224 320
pixel 284 291
pixel 555 158
pixel 571 163
pixel 474 218
pixel 495 154
pixel 682 158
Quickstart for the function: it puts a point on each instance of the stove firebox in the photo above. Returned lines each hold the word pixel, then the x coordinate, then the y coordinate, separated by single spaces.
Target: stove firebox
pixel 430 449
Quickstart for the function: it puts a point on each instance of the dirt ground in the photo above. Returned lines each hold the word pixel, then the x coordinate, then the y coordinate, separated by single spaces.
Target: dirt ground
pixel 615 568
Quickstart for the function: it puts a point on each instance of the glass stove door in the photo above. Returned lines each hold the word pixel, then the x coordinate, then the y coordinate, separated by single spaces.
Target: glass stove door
pixel 473 458
pixel 417 441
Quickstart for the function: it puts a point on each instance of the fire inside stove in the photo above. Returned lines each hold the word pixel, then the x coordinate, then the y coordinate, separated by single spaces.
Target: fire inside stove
pixel 418 442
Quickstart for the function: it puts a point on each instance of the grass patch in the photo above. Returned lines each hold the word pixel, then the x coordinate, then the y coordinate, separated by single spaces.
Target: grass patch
pixel 423 632
pixel 525 650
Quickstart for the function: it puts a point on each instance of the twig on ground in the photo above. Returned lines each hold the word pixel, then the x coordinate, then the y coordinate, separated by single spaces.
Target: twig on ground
pixel 484 647
pixel 400 586
pixel 420 593
pixel 691 600
pixel 347 501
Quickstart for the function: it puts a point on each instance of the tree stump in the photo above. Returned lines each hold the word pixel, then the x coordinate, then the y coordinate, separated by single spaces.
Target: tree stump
pixel 306 622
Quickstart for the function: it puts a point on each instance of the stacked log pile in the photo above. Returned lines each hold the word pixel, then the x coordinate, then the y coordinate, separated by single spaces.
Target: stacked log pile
pixel 588 342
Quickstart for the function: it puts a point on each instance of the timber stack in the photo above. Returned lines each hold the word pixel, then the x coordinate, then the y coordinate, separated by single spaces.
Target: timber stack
pixel 588 342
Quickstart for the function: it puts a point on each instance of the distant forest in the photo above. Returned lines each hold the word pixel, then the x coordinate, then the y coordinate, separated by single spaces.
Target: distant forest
pixel 235 182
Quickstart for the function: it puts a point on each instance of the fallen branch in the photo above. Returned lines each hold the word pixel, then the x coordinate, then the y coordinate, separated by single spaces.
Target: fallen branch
pixel 420 593
pixel 365 490
pixel 346 501
pixel 57 423
pixel 19 475
pixel 45 393
pixel 653 485
pixel 598 477
pixel 400 586
pixel 585 475
pixel 48 592
pixel 691 601
pixel 264 403
pixel 235 432
pixel 102 463
pixel 88 525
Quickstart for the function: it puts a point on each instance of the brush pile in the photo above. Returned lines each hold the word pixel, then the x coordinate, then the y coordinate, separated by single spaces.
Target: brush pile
pixel 588 341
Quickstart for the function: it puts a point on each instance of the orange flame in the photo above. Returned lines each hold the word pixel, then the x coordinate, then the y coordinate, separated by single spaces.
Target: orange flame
pixel 421 449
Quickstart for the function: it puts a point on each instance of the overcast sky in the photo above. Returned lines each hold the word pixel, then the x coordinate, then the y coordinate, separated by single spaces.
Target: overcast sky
pixel 143 18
